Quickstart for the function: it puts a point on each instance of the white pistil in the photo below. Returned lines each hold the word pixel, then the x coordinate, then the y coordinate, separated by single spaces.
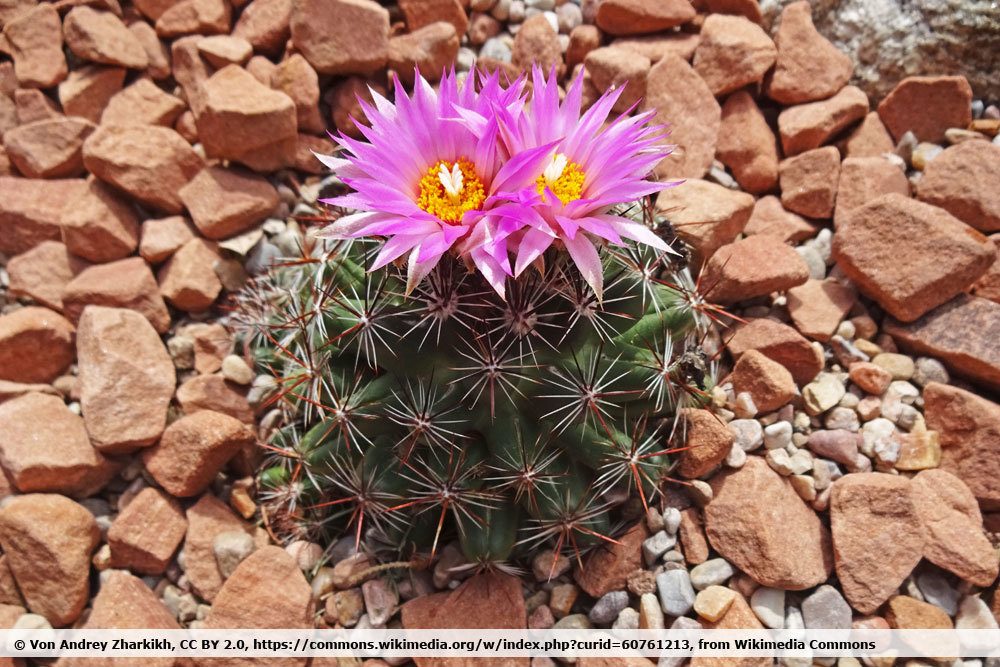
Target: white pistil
pixel 555 168
pixel 451 181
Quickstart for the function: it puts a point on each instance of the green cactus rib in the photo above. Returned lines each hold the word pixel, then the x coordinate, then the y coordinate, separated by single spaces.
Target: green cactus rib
pixel 413 419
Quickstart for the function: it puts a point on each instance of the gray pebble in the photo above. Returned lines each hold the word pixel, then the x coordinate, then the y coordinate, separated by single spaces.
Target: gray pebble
pixel 676 593
pixel 570 16
pixel 655 546
pixel 827 609
pixel 628 619
pixel 496 49
pixel 769 606
pixel 712 572
pixel 607 607
pixel 748 433
pixel 671 520
pixel 230 548
pixel 813 260
pixel 928 370
pixel 938 591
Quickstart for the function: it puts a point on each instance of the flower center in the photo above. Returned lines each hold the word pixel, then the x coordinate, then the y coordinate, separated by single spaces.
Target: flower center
pixel 563 178
pixel 449 189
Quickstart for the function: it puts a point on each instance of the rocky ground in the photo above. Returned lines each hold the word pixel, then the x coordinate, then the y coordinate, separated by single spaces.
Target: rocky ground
pixel 156 155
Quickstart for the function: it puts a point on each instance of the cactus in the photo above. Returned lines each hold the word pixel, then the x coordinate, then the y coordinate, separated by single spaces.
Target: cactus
pixel 451 412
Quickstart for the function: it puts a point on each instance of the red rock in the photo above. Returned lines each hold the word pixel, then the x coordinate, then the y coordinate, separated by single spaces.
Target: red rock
pixel 36 345
pixel 708 441
pixel 86 90
pixel 202 17
pixel 267 590
pixel 877 537
pixel 48 148
pixel 421 13
pixel 869 139
pixel 635 17
pixel 882 246
pixel 127 283
pixel 809 182
pixel 769 383
pixel 100 226
pixel 613 66
pixel 607 568
pixel 738 616
pixel 32 211
pixel 193 450
pixel 769 218
pixel 675 91
pixel 156 53
pixel 755 266
pixel 692 537
pixel 747 145
pixel 871 378
pixel 206 519
pixel 126 379
pixel 927 106
pixel 101 37
pixel 344 108
pixel 961 333
pixel 537 43
pixel 8 115
pixel 48 540
pixel 490 600
pixel 969 428
pixel 223 50
pixel 305 154
pixel 188 280
pixel 964 180
pixel 43 272
pixel 33 105
pixel 906 613
pixel 987 287
pixel 226 202
pixel 212 392
pixel 655 47
pixel 245 121
pixel 734 52
pixel 781 343
pixel 582 40
pixel 809 126
pixel 163 237
pixel 707 216
pixel 153 9
pixel 190 70
pixel 265 24
pixel 143 103
pixel 790 547
pixel 150 163
pixel 145 535
pixel 45 447
pixel 953 527
pixel 865 178
pixel 341 36
pixel 34 40
pixel 808 66
pixel 818 306
pixel 431 49
pixel 296 78
pixel 212 344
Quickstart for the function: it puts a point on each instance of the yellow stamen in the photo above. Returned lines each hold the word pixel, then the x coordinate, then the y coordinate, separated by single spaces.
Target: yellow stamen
pixel 563 178
pixel 449 189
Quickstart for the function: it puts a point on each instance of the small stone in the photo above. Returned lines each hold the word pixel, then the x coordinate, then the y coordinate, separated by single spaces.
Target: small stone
pixel 632 17
pixel 748 433
pixel 962 180
pixel 898 366
pixel 809 126
pixel 863 179
pixel 43 272
pixel 823 393
pixel 49 148
pixel 657 545
pixel 768 382
pixel 193 449
pixel 431 48
pixel 974 614
pixel 676 91
pixel 713 602
pixel 926 370
pixel 808 67
pixel 876 534
pixel 421 13
pixel 34 39
pixel 676 594
pixel 918 230
pixel 266 118
pixel 769 606
pixel 713 572
pixel 938 591
pixel 213 392
pixel 101 37
pixel 537 43
pixel 770 218
pixel 156 53
pixel 612 67
pixel 837 444
pixel 162 237
pixel 870 377
pixel 927 106
pixel 345 607
pixel 869 139
pixel 188 280
pixel 207 518
pixel 265 24
pixel 87 90
pixel 231 548
pixel 755 266
pixel 608 568
pixel 126 379
pixel 36 345
pixel 778 435
pixel 151 163
pixel 809 182
pixel 906 613
pixel 826 609
pixel 708 441
pixel 650 613
pixel 734 52
pixel 236 370
pixel 101 226
pixel 226 202
pixel 48 541
pixel 562 598
pixel 143 103
pixel 607 607
pixel 747 146
pixel 145 535
pixel 222 50
pixel 780 343
pixel 381 600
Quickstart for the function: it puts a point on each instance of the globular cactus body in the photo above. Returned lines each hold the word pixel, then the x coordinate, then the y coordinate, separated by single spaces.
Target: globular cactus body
pixel 450 412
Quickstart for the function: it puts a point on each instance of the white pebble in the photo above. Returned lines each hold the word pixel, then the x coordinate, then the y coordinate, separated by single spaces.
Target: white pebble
pixel 778 435
pixel 769 606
